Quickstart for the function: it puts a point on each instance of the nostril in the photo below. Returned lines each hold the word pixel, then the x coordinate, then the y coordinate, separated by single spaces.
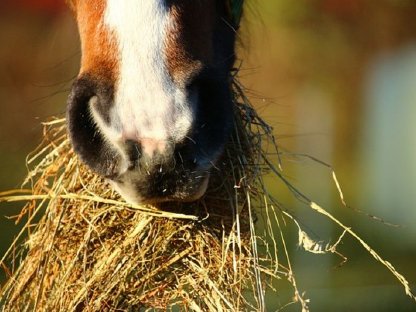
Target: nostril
pixel 133 152
pixel 86 139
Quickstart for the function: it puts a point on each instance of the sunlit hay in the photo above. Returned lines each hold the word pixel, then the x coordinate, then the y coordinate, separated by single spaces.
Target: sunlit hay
pixel 91 251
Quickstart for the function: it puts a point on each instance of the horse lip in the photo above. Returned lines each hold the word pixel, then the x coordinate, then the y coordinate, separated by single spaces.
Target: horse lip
pixel 200 192
pixel 181 196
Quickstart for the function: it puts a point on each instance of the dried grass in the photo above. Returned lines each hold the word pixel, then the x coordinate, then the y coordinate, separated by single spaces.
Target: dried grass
pixel 91 251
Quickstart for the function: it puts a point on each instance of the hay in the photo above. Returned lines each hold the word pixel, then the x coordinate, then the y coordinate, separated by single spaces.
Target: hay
pixel 91 251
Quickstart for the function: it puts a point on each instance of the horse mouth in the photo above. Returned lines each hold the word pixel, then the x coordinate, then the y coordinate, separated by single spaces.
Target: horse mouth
pixel 151 191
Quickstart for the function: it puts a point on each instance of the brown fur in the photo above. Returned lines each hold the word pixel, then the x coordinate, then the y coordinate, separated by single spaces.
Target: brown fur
pixel 186 41
pixel 98 44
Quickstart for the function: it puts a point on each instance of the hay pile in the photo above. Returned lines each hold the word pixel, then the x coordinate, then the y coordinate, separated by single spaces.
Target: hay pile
pixel 92 251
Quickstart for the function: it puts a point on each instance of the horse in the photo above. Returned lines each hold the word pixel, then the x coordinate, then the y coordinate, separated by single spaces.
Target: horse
pixel 152 109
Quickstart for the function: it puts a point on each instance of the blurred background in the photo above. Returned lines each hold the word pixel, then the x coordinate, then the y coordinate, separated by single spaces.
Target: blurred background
pixel 337 81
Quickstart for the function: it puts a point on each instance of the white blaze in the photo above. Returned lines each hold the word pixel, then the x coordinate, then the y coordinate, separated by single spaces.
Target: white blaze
pixel 147 103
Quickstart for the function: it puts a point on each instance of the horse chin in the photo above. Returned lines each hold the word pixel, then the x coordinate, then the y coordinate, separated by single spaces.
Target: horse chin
pixel 190 193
